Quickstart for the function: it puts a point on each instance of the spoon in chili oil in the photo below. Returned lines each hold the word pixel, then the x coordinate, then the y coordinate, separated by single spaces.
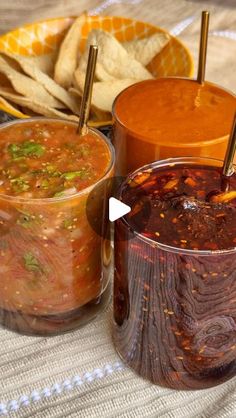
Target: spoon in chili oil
pixel 228 169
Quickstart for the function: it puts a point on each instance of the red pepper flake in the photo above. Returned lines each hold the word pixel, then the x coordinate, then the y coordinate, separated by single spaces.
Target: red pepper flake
pixel 139 179
pixel 211 245
pixel 162 215
pixel 171 184
pixel 190 182
pixel 136 209
pixel 157 234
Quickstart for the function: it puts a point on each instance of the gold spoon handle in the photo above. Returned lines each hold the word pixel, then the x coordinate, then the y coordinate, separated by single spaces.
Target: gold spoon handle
pixel 228 169
pixel 88 89
pixel 203 47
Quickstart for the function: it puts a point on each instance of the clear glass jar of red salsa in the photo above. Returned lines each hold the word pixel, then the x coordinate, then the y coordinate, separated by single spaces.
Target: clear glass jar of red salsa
pixel 175 281
pixel 55 268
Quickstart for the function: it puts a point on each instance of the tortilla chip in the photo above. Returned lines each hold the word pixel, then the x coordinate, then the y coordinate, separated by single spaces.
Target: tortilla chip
pixel 95 113
pixel 113 60
pixel 28 111
pixel 38 107
pixel 48 83
pixel 26 86
pixel 104 92
pixel 144 50
pixel 68 54
pixel 4 82
pixel 44 62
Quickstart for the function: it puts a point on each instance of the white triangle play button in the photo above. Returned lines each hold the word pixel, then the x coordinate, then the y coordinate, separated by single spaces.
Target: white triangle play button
pixel 117 209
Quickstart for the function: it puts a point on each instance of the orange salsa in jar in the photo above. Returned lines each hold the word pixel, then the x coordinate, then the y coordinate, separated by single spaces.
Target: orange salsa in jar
pixel 54 272
pixel 171 117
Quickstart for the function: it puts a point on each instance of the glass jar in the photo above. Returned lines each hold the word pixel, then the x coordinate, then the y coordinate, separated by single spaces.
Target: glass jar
pixel 55 268
pixel 170 117
pixel 174 308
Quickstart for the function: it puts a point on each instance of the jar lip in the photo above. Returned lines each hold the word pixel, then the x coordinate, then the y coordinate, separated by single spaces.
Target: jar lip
pixel 169 248
pixel 84 191
pixel 191 144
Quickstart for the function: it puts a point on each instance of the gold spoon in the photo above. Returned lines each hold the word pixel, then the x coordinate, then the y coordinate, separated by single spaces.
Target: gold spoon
pixel 228 169
pixel 88 89
pixel 203 47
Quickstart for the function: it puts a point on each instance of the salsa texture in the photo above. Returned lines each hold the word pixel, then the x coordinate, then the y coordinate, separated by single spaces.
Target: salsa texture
pixel 175 309
pixel 51 260
pixel 187 207
pixel 47 159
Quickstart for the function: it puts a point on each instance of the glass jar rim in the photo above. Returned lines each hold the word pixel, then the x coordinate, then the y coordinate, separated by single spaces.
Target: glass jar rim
pixel 172 162
pixel 84 191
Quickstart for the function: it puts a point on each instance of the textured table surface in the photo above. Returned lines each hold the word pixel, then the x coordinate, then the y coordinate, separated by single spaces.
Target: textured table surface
pixel 79 374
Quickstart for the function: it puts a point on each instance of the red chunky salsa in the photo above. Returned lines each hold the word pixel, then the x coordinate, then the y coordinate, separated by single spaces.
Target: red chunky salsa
pixel 175 307
pixel 50 258
pixel 48 159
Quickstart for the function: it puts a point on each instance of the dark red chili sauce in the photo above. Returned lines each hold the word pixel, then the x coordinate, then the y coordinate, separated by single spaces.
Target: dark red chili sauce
pixel 175 309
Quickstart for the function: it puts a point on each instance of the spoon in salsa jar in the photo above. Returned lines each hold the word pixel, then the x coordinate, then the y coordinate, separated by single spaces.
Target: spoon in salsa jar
pixel 88 89
pixel 203 47
pixel 226 195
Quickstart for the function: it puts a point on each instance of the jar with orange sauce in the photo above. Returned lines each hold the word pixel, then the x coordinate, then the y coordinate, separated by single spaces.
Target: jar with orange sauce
pixel 171 117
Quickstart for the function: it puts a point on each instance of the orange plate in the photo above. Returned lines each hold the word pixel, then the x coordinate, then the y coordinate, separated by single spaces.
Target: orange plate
pixel 44 37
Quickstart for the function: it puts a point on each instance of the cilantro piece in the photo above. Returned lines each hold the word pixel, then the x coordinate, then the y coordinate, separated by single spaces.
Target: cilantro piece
pixel 32 264
pixel 71 175
pixel 19 185
pixel 84 150
pixel 45 184
pixel 52 171
pixel 25 149
pixel 67 223
pixel 59 194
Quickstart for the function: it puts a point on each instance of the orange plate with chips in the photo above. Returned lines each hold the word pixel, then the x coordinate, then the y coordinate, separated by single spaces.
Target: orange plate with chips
pixel 45 37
